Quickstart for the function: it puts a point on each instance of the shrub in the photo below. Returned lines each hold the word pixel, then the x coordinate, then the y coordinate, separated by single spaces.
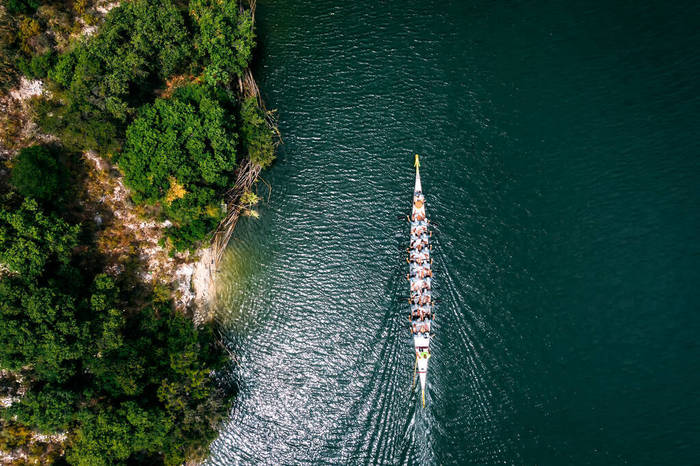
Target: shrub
pixel 181 153
pixel 256 134
pixel 26 7
pixel 38 66
pixel 225 38
pixel 38 173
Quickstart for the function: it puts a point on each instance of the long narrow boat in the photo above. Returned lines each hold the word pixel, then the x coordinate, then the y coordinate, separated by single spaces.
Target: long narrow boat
pixel 420 277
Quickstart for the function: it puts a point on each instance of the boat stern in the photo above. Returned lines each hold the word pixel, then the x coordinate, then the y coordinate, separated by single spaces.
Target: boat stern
pixel 422 357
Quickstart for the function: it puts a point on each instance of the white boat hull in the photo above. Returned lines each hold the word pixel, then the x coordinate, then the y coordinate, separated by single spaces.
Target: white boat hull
pixel 420 279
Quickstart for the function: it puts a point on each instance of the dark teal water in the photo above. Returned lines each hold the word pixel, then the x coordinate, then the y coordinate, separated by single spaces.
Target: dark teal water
pixel 560 145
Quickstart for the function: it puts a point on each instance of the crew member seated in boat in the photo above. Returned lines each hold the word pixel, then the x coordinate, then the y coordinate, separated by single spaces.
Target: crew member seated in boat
pixel 417 285
pixel 420 225
pixel 423 312
pixel 419 230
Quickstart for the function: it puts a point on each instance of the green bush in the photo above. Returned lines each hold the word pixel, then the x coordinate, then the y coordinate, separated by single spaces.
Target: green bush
pixel 37 248
pixel 181 154
pixel 38 173
pixel 38 66
pixel 26 7
pixel 225 38
pixel 256 134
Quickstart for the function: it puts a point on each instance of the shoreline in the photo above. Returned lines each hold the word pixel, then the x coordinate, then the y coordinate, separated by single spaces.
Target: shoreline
pixel 191 275
pixel 130 238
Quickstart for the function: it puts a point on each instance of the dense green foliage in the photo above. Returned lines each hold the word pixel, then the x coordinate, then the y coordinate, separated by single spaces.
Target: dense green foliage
pixel 38 173
pixel 130 382
pixel 181 153
pixel 225 38
pixel 127 385
pixel 102 80
pixel 36 249
pixel 38 66
pixel 22 6
pixel 256 134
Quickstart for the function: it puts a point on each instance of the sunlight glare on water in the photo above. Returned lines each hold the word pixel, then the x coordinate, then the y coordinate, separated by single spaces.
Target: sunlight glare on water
pixel 560 163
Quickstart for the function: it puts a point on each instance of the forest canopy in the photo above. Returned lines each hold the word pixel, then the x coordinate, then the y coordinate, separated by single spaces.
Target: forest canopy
pixel 151 90
pixel 101 81
pixel 126 383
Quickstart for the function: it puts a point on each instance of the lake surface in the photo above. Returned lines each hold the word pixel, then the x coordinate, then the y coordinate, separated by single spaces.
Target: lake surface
pixel 561 162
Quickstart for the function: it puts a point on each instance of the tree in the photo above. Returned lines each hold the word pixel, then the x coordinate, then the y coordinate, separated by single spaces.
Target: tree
pixel 22 6
pixel 38 173
pixel 256 133
pixel 33 242
pixel 181 153
pixel 225 38
pixel 36 250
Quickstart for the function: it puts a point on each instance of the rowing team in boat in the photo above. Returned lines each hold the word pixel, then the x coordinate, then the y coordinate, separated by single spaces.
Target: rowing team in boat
pixel 420 274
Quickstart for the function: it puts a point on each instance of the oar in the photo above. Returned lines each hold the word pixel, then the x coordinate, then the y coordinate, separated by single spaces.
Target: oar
pixel 423 396
pixel 415 365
